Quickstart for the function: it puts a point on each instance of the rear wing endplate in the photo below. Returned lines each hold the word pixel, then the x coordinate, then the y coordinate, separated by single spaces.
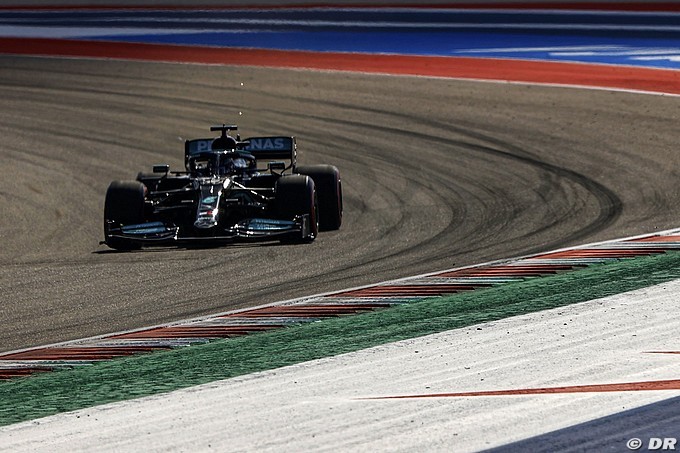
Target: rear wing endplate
pixel 272 148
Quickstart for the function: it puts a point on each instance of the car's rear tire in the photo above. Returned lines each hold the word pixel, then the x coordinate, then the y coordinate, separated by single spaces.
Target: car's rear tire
pixel 124 205
pixel 296 196
pixel 329 191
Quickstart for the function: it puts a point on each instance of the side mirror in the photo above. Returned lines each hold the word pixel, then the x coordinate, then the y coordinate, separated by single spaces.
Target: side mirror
pixel 276 166
pixel 163 168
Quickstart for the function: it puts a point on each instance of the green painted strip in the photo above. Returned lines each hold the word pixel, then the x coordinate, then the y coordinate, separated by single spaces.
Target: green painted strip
pixel 132 377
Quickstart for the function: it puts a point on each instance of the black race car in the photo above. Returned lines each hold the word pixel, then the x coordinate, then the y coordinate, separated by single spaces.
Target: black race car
pixel 224 196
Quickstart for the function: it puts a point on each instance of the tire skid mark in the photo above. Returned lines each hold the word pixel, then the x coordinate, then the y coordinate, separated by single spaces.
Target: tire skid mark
pixel 343 303
pixel 609 204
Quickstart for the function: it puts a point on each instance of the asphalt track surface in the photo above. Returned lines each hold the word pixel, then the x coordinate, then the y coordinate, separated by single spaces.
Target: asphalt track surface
pixel 437 173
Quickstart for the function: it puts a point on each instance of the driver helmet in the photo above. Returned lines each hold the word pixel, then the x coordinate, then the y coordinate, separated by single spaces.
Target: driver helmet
pixel 231 164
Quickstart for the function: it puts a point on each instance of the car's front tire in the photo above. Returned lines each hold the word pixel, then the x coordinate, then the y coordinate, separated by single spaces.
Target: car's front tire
pixel 124 205
pixel 296 196
pixel 329 191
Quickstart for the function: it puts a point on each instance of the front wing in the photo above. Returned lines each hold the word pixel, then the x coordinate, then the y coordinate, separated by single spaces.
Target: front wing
pixel 161 233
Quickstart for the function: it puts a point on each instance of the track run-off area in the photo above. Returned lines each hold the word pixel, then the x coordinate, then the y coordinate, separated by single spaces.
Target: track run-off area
pixel 441 170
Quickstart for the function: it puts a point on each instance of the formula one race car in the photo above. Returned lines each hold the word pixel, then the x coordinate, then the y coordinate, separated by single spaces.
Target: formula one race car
pixel 224 196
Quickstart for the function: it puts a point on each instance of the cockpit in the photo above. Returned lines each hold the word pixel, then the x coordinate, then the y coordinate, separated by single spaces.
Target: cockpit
pixel 220 163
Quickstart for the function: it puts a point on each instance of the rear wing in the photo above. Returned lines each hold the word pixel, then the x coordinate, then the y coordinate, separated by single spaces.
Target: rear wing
pixel 283 148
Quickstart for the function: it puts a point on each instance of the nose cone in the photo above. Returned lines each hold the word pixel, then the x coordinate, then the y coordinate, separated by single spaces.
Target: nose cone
pixel 206 219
